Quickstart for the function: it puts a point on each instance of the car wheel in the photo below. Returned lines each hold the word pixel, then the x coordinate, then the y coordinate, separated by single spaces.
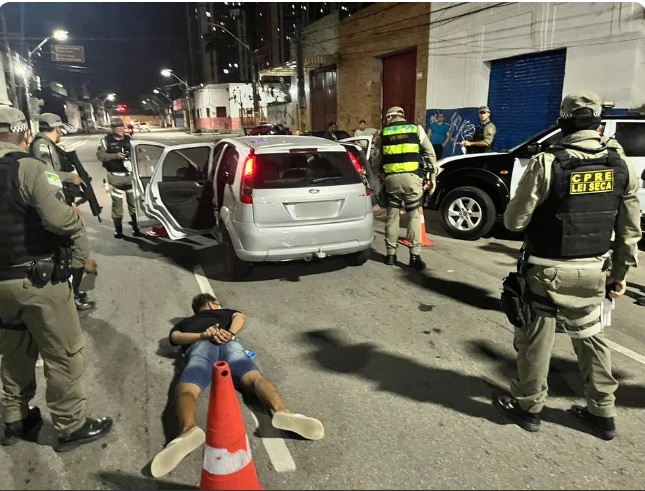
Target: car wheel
pixel 467 213
pixel 358 258
pixel 234 267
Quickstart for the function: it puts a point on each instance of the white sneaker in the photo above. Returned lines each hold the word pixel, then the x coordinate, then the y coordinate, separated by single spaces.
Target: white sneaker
pixel 306 427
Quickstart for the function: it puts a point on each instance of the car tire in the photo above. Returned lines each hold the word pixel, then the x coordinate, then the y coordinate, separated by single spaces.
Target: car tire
pixel 235 268
pixel 358 258
pixel 467 213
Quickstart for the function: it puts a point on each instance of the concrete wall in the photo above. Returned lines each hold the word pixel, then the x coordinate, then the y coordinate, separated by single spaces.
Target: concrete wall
pixel 604 42
pixel 365 38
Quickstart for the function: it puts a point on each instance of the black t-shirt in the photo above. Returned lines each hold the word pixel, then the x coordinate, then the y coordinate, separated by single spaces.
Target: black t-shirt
pixel 203 320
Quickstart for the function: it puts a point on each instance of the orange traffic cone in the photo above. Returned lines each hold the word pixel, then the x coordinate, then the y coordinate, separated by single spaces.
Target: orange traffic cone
pixel 228 463
pixel 425 242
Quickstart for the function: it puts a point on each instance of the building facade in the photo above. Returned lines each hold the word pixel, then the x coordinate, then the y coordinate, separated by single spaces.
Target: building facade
pixel 522 58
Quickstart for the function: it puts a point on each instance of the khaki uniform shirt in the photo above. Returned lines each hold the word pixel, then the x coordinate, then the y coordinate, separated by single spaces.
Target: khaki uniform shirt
pixel 45 193
pixel 46 150
pixel 489 134
pixel 533 189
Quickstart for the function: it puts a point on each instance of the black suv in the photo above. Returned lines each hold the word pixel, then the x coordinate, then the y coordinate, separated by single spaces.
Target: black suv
pixel 473 190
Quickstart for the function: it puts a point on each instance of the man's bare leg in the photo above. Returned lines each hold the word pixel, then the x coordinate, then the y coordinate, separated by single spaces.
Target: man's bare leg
pixel 190 436
pixel 283 418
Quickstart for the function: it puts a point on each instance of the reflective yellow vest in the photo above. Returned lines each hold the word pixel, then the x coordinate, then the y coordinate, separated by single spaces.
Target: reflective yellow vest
pixel 401 147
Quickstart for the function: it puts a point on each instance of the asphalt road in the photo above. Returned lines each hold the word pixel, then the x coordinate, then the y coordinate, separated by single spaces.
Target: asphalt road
pixel 400 367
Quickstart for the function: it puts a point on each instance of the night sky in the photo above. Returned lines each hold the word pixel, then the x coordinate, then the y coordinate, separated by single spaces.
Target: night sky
pixel 126 44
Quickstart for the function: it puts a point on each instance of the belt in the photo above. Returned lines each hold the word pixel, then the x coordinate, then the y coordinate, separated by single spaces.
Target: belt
pixel 564 264
pixel 122 174
pixel 14 272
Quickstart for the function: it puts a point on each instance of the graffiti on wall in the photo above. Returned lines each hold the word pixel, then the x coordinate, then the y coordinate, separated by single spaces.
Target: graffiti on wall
pixel 463 122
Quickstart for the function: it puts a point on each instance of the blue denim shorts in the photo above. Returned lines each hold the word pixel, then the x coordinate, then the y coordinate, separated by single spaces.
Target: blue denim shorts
pixel 202 355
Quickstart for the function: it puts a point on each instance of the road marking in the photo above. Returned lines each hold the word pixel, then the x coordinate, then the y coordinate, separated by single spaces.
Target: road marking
pixel 275 447
pixel 626 351
pixel 279 454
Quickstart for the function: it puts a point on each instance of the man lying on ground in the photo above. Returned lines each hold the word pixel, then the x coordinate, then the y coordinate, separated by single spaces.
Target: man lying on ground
pixel 205 338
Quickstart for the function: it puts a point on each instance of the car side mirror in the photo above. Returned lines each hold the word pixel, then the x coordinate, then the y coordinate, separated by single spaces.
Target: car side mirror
pixel 533 148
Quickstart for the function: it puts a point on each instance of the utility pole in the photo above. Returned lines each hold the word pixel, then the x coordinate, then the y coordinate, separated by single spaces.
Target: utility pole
pixel 300 74
pixel 12 75
pixel 190 45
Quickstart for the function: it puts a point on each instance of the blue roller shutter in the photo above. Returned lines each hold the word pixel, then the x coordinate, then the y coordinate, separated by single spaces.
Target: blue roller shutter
pixel 524 95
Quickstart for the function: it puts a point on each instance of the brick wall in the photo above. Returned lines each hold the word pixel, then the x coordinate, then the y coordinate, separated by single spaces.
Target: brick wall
pixel 365 38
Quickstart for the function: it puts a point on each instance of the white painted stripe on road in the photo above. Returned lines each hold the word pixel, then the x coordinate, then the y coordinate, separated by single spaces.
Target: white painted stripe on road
pixel 279 454
pixel 626 351
pixel 276 448
pixel 202 281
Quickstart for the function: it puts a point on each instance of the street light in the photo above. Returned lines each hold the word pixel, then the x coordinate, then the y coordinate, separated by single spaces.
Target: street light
pixel 167 72
pixel 58 35
pixel 254 68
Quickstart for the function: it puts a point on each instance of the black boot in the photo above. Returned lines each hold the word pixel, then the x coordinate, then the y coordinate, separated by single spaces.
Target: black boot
pixel 24 429
pixel 416 262
pixel 82 303
pixel 390 259
pixel 135 228
pixel 118 233
pixel 511 407
pixel 604 428
pixel 93 429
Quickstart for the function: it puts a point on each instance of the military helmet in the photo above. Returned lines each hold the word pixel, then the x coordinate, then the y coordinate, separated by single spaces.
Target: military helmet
pixel 395 111
pixel 12 120
pixel 49 121
pixel 116 121
pixel 575 101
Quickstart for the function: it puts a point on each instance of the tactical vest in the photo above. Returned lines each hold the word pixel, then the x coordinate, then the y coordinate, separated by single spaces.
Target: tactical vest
pixel 116 146
pixel 477 137
pixel 578 217
pixel 401 148
pixel 23 238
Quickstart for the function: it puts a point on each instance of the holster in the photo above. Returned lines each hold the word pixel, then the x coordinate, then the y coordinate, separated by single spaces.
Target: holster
pixel 54 269
pixel 520 305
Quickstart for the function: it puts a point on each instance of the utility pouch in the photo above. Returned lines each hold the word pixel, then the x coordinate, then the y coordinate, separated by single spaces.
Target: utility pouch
pixel 516 295
pixel 381 197
pixel 41 271
pixel 516 301
pixel 63 264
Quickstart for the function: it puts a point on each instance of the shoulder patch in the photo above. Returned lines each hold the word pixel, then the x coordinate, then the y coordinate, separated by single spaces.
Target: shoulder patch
pixel 53 179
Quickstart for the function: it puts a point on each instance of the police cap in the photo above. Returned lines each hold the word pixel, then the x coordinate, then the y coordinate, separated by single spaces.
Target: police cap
pixel 114 122
pixel 395 111
pixel 12 120
pixel 49 121
pixel 575 101
pixel 484 108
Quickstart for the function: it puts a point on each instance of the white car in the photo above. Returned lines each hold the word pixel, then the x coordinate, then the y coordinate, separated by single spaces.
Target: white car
pixel 264 198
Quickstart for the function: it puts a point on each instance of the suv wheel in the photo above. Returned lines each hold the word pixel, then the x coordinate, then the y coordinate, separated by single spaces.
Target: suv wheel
pixel 234 267
pixel 467 213
pixel 358 258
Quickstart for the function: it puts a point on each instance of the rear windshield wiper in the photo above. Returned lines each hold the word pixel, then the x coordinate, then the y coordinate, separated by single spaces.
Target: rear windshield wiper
pixel 326 179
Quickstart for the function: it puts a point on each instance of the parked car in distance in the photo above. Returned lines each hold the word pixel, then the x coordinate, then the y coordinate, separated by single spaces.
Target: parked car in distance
pixel 264 198
pixel 268 129
pixel 473 190
pixel 143 126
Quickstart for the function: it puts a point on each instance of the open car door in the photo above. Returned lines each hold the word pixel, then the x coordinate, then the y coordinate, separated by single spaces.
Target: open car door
pixel 363 141
pixel 180 195
pixel 145 156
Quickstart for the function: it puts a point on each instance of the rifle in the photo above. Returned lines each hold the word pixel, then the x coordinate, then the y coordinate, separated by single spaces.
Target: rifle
pixel 87 191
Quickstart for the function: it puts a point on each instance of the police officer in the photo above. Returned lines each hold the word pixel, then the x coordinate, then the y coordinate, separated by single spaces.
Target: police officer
pixel 45 147
pixel 570 201
pixel 482 139
pixel 114 152
pixel 37 312
pixel 401 163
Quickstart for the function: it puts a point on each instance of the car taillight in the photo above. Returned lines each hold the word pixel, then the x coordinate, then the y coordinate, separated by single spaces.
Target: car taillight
pixel 246 184
pixel 355 162
pixel 361 171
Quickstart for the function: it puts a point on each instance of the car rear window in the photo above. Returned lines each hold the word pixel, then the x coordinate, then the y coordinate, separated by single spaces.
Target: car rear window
pixel 304 169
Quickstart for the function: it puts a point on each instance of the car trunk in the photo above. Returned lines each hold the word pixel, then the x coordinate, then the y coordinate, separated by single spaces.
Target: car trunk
pixel 306 187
